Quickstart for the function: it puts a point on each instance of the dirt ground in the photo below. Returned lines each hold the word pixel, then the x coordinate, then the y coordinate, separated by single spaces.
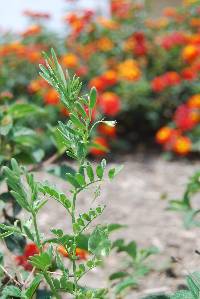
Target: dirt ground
pixel 134 199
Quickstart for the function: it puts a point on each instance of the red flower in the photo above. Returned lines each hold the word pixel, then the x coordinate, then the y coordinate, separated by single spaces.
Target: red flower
pixel 109 103
pixel 189 74
pixel 107 130
pixel 171 78
pixel 158 84
pixel 140 47
pixel 186 118
pixel 81 71
pixel 173 39
pixel 22 260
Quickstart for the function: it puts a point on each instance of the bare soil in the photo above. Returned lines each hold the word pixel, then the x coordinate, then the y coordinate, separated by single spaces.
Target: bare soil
pixel 135 199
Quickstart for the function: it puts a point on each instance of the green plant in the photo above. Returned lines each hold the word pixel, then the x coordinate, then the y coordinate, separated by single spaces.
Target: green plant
pixel 76 137
pixel 134 267
pixel 193 291
pixel 30 195
pixel 185 205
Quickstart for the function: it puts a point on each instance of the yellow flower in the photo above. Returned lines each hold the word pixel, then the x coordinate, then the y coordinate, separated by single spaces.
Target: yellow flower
pixel 129 70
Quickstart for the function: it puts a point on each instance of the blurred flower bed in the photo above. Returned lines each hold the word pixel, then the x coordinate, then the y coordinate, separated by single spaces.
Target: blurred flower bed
pixel 146 72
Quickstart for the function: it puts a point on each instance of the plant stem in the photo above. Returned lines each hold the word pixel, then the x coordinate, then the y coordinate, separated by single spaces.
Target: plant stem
pixel 74 245
pixel 46 275
pixel 50 283
pixel 37 232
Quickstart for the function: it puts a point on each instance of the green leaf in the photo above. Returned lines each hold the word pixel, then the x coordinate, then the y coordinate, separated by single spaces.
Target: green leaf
pixel 118 275
pixel 131 249
pixel 114 171
pixel 93 98
pixel 189 219
pixel 21 200
pixel 57 195
pixel 60 170
pixel 98 243
pixel 19 110
pixel 11 291
pixel 126 283
pixel 157 296
pixel 90 172
pixel 72 180
pixel 80 179
pixel 9 228
pixel 28 233
pixel 77 122
pixel 193 281
pixel 114 226
pixel 41 261
pixel 81 110
pixel 99 171
pixel 34 286
pixel 183 295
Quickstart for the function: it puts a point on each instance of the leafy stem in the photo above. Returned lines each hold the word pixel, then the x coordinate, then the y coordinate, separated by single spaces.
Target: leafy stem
pixel 38 241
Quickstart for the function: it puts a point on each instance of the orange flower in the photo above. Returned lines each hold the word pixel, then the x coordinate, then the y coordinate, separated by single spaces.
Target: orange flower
pixel 129 70
pixel 33 56
pixel 195 22
pixel 164 135
pixel 108 23
pixel 69 60
pixel 110 77
pixel 182 145
pixel 37 85
pixel 190 52
pixel 32 30
pixel 98 83
pixel 169 12
pixel 109 103
pixel 82 254
pixel 129 44
pixel 105 44
pixel 107 130
pixel 194 101
pixel 51 97
pixel 102 148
